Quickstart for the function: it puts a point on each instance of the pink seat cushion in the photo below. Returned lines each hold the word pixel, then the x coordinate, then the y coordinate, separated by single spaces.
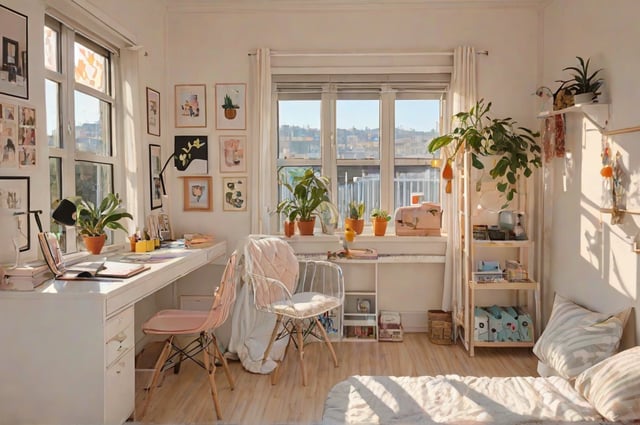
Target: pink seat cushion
pixel 175 322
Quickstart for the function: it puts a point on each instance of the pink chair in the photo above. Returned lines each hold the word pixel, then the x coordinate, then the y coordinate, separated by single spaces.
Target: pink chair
pixel 201 323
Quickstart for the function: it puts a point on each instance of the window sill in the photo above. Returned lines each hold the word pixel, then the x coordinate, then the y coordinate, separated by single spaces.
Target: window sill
pixel 385 245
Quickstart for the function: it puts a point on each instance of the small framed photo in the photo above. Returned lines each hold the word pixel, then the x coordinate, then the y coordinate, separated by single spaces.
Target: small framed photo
pixel 191 105
pixel 232 154
pixel 231 106
pixel 235 193
pixel 198 193
pixel 153 112
pixel 155 165
pixel 13 56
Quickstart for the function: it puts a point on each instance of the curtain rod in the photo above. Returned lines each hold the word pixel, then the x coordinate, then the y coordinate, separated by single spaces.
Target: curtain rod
pixel 276 53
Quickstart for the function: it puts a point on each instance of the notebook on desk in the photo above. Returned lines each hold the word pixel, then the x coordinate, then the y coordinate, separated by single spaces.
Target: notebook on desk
pixel 84 270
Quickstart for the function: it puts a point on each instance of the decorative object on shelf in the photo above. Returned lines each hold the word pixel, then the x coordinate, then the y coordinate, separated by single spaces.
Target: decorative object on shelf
pixel 363 305
pixel 198 193
pixel 92 220
pixel 562 98
pixel 379 218
pixel 191 154
pixel 191 105
pixel 231 106
pixel 584 86
pixel 355 219
pixel 546 97
pixel 515 146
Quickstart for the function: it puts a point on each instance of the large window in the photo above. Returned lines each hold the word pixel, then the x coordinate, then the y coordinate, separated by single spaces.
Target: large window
pixel 370 138
pixel 79 91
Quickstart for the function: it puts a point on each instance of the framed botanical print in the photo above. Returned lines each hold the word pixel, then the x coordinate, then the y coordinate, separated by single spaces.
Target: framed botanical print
pixel 233 154
pixel 235 193
pixel 191 105
pixel 153 112
pixel 231 106
pixel 155 166
pixel 198 193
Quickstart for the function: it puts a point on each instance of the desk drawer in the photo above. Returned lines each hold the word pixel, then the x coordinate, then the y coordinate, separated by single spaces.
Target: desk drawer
pixel 119 335
pixel 120 389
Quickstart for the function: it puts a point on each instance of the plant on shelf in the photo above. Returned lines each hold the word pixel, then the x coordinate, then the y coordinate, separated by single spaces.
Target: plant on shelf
pixel 230 110
pixel 379 218
pixel 355 220
pixel 583 83
pixel 309 195
pixel 92 220
pixel 516 148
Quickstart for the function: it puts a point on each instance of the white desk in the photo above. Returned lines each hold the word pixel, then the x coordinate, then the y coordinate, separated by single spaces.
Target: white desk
pixel 67 348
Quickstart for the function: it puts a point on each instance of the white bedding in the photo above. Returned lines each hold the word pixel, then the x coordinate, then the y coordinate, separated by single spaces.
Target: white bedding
pixel 455 399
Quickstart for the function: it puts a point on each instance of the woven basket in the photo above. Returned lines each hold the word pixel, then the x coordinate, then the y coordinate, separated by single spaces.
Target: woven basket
pixel 440 324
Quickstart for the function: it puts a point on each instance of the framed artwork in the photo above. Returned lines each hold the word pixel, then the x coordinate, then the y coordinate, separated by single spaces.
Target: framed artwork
pixel 155 165
pixel 153 112
pixel 191 105
pixel 198 193
pixel 191 154
pixel 231 106
pixel 235 193
pixel 13 67
pixel 232 154
pixel 14 201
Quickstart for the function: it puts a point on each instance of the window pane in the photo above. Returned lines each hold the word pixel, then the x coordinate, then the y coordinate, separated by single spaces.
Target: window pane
pixel 416 124
pixel 360 184
pixel 416 179
pixel 51 54
pixel 52 100
pixel 93 180
pixel 358 129
pixel 90 67
pixel 299 129
pixel 55 195
pixel 93 118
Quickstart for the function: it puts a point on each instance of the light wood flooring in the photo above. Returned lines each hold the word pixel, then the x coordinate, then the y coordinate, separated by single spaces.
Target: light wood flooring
pixel 185 398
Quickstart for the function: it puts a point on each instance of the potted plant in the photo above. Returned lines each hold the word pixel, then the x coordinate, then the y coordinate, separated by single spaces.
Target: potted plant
pixel 230 110
pixel 286 208
pixel 379 219
pixel 516 148
pixel 355 220
pixel 585 87
pixel 309 193
pixel 92 220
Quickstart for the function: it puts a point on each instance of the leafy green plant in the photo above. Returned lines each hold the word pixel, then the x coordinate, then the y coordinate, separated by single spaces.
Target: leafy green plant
pixel 228 103
pixel 356 210
pixel 309 191
pixel 380 214
pixel 92 220
pixel 582 82
pixel 516 147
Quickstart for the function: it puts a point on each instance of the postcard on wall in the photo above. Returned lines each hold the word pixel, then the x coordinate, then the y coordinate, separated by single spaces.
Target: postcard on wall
pixel 9 135
pixel 191 154
pixel 232 154
pixel 235 193
pixel 231 106
pixel 191 105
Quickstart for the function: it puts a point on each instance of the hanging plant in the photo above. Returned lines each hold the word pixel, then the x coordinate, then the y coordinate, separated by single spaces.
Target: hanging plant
pixel 516 148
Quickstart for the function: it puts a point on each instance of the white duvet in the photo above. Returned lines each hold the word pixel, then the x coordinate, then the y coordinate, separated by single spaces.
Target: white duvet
pixel 455 399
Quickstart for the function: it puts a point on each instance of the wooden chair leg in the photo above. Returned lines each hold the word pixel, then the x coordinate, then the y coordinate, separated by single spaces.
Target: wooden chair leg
pixel 211 370
pixel 300 337
pixel 164 354
pixel 225 365
pixel 327 341
pixel 274 334
pixel 276 372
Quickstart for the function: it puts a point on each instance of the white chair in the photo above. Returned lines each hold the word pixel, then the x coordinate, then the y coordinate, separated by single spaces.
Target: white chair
pixel 201 323
pixel 297 292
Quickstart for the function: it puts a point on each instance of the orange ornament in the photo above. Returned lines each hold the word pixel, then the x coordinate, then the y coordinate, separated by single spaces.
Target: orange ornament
pixel 447 171
pixel 606 171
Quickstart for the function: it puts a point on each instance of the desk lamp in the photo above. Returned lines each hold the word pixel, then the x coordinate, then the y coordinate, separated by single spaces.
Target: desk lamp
pixel 65 213
pixel 183 158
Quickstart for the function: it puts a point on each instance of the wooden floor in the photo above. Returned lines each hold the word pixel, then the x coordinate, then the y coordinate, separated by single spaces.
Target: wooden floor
pixel 185 398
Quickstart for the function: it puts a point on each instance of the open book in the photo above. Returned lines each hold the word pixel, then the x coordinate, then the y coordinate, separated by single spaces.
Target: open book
pixel 84 270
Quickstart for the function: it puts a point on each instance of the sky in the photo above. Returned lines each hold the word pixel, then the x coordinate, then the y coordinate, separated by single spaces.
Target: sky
pixel 420 115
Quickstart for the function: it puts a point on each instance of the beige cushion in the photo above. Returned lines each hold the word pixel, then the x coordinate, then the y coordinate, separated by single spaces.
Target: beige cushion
pixel 613 386
pixel 306 304
pixel 576 338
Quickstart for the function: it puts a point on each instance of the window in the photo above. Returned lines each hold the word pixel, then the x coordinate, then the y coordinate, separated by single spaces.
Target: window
pixel 370 137
pixel 79 81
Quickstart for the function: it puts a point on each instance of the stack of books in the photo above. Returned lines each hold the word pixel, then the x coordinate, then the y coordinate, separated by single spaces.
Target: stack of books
pixel 27 277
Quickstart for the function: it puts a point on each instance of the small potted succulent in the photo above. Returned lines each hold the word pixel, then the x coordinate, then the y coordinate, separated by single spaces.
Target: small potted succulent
pixel 230 110
pixel 379 220
pixel 355 220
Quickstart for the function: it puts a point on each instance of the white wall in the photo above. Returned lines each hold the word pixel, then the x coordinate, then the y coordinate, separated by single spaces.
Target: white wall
pixel 591 260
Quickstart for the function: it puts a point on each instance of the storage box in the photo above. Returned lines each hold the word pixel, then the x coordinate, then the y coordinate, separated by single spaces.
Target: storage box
pixel 390 328
pixel 440 325
pixel 418 220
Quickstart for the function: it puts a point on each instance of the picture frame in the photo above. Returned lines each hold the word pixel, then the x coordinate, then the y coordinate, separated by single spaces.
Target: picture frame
pixel 15 202
pixel 14 79
pixel 233 154
pixel 231 106
pixel 191 105
pixel 155 165
pixel 198 193
pixel 235 193
pixel 191 154
pixel 153 112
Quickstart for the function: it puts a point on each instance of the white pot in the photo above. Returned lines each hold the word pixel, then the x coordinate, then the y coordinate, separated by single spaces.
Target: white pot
pixel 580 99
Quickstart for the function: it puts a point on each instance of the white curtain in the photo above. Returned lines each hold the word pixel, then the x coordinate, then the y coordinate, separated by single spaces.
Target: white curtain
pixel 262 163
pixel 462 97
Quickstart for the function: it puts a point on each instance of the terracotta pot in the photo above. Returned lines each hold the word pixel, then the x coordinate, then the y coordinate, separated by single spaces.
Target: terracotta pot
pixel 289 228
pixel 306 227
pixel 230 113
pixel 357 225
pixel 94 244
pixel 379 226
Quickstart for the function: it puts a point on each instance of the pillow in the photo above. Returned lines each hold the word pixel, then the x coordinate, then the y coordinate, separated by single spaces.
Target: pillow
pixel 577 338
pixel 613 386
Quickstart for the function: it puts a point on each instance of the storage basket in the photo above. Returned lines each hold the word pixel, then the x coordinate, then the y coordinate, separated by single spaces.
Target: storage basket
pixel 440 324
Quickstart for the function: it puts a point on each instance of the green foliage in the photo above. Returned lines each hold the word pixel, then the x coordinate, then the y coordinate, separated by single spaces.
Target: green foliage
pixel 380 213
pixel 228 103
pixel 516 147
pixel 582 82
pixel 356 210
pixel 309 192
pixel 92 220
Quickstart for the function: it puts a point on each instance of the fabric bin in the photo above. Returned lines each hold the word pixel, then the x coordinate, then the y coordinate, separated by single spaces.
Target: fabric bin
pixel 440 325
